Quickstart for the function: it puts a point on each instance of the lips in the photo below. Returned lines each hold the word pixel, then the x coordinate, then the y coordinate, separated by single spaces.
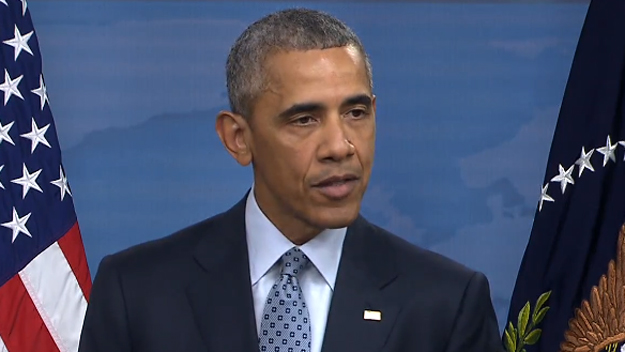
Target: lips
pixel 337 187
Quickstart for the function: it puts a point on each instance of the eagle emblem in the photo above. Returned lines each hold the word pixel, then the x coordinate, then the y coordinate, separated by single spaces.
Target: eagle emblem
pixel 599 323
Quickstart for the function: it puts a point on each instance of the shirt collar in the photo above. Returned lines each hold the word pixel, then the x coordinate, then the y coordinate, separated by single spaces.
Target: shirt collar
pixel 266 244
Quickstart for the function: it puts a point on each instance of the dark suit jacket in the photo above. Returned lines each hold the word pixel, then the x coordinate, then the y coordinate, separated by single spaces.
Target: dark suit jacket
pixel 191 292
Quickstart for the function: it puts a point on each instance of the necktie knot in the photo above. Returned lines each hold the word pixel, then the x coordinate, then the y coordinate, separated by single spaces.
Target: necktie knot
pixel 294 261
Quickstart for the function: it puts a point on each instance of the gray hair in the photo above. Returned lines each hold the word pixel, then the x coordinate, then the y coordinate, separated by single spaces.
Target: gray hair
pixel 292 29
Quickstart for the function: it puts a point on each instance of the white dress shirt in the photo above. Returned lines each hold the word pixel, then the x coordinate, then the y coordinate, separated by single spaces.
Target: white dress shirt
pixel 266 244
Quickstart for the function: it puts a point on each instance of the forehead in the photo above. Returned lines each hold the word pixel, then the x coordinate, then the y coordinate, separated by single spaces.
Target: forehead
pixel 322 75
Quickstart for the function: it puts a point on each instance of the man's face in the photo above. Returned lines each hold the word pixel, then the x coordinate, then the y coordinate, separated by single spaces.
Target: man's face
pixel 312 139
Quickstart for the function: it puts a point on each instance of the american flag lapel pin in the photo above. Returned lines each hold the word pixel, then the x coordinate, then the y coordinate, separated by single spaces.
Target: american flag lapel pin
pixel 375 315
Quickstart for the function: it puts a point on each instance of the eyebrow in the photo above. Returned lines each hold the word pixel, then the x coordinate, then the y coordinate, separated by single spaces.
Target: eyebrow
pixel 300 108
pixel 362 99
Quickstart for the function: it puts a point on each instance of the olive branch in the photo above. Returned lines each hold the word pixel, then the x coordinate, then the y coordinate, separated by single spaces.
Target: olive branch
pixel 525 334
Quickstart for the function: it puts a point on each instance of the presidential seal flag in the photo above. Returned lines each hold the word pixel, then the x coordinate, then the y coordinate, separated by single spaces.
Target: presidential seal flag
pixel 570 290
pixel 44 278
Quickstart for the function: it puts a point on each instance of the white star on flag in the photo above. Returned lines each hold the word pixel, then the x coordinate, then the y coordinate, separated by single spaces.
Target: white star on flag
pixel 608 151
pixel 28 181
pixel 18 225
pixel 4 2
pixel 623 144
pixel 20 42
pixel 37 135
pixel 564 177
pixel 544 197
pixel 24 6
pixel 9 87
pixel 1 185
pixel 4 132
pixel 61 183
pixel 584 161
pixel 42 93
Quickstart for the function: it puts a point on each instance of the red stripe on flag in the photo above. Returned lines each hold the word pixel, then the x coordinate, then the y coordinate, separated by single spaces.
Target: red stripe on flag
pixel 74 251
pixel 21 326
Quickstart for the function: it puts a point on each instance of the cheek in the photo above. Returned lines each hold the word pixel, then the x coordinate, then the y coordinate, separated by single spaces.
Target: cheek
pixel 365 144
pixel 301 160
pixel 365 154
pixel 286 164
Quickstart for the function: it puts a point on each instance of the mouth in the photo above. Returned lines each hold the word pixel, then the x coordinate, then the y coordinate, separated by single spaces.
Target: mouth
pixel 337 187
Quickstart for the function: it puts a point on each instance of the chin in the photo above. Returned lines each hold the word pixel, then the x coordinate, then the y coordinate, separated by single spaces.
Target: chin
pixel 334 218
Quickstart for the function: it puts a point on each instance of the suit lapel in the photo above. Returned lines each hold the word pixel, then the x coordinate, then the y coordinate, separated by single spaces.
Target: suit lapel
pixel 366 268
pixel 221 297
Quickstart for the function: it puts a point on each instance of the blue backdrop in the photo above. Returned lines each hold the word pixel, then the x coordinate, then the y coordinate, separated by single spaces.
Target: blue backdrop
pixel 468 96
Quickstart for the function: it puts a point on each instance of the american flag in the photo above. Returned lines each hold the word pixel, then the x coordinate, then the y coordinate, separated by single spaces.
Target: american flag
pixel 44 277
pixel 581 207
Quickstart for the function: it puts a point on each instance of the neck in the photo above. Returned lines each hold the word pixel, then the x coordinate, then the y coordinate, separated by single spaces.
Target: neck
pixel 297 238
pixel 295 230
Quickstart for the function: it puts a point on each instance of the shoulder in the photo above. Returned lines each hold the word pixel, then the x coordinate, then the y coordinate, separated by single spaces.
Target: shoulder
pixel 433 285
pixel 418 264
pixel 165 254
pixel 449 301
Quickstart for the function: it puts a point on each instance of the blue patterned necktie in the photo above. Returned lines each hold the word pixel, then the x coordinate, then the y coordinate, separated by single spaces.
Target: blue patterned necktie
pixel 285 324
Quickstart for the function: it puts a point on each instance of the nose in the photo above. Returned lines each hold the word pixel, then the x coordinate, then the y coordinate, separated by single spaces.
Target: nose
pixel 336 145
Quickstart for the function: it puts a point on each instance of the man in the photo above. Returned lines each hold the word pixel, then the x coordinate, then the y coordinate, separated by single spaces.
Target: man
pixel 292 266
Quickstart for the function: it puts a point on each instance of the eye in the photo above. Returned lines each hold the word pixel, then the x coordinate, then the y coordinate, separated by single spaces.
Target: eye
pixel 303 120
pixel 358 113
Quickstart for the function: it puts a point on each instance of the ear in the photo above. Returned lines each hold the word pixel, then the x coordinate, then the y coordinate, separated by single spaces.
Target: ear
pixel 232 130
pixel 373 103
